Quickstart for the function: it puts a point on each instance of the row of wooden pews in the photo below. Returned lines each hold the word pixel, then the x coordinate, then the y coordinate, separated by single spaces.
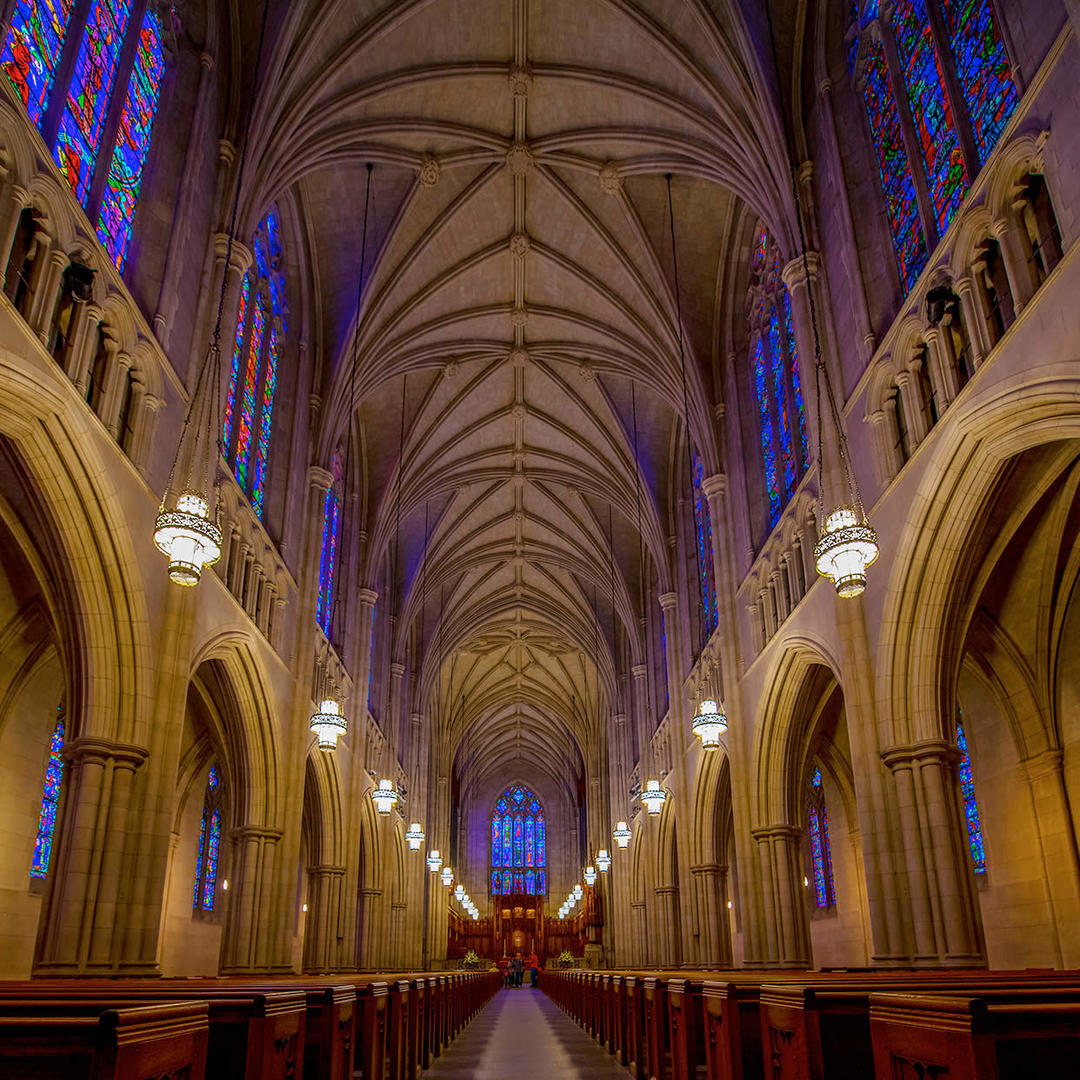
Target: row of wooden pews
pixel 338 1027
pixel 958 1024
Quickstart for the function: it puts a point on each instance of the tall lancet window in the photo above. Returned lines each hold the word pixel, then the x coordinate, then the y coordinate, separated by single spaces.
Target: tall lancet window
pixel 50 802
pixel 518 844
pixel 817 828
pixel 775 371
pixel 704 537
pixel 206 868
pixel 971 806
pixel 101 159
pixel 260 326
pixel 934 75
pixel 328 559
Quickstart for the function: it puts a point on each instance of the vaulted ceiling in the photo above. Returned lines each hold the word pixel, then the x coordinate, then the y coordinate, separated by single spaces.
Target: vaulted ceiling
pixel 519 320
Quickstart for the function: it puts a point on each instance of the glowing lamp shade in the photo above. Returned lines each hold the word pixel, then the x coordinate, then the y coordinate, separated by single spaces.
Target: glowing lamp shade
pixel 603 860
pixel 622 834
pixel 447 876
pixel 579 892
pixel 188 537
pixel 847 547
pixel 654 797
pixel 328 724
pixel 459 892
pixel 384 796
pixel 434 861
pixel 709 724
pixel 475 915
pixel 414 836
pixel 590 875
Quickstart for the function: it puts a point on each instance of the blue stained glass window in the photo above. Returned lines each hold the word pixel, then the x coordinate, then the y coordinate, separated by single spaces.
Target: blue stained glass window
pixel 894 168
pixel 50 803
pixel 328 559
pixel 768 451
pixel 132 142
pixel 517 842
pixel 704 536
pixel 820 854
pixel 88 95
pixel 982 68
pixel 971 806
pixel 33 48
pixel 931 113
pixel 206 867
pixel 796 383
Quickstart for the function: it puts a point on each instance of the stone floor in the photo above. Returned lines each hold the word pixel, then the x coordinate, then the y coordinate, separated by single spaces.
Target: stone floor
pixel 520 1035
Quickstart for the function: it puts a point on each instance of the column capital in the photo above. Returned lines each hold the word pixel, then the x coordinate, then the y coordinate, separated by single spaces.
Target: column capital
pixel 714 486
pixel 257 832
pixel 667 601
pixel 1047 763
pixel 367 596
pixel 776 832
pixel 708 868
pixel 396 670
pixel 327 871
pixel 319 478
pixel 926 751
pixel 88 749
pixel 618 719
pixel 639 671
pixel 794 273
pixel 240 256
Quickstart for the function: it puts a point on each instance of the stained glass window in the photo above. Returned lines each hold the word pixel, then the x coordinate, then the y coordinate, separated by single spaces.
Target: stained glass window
pixel 976 54
pixel 36 41
pixel 518 847
pixel 88 95
pixel 33 48
pixel 206 868
pixel 971 806
pixel 132 142
pixel 328 560
pixel 261 319
pixel 775 368
pixel 820 855
pixel 982 67
pixel 50 803
pixel 935 130
pixel 704 537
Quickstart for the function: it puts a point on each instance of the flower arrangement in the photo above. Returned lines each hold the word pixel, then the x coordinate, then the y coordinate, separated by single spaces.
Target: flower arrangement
pixel 566 959
pixel 471 959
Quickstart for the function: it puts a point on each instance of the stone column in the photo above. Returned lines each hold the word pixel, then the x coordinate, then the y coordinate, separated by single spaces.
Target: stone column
pixel 711 881
pixel 786 930
pixel 643 950
pixel 117 387
pixel 944 911
pixel 673 651
pixel 795 279
pixel 18 199
pixel 324 899
pixel 246 945
pixel 639 673
pixel 667 903
pixel 38 275
pixel 886 457
pixel 45 301
pixel 1057 840
pixel 942 369
pixel 80 931
pixel 908 383
pixel 1017 268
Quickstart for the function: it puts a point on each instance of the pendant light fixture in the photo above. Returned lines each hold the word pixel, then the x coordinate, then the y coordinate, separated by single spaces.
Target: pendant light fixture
pixel 328 724
pixel 654 797
pixel 709 724
pixel 447 876
pixel 188 524
pixel 414 836
pixel 590 875
pixel 622 835
pixel 847 544
pixel 603 860
pixel 384 796
pixel 434 861
pixel 459 892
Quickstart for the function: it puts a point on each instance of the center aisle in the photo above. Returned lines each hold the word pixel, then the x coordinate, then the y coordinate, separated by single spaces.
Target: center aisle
pixel 520 1035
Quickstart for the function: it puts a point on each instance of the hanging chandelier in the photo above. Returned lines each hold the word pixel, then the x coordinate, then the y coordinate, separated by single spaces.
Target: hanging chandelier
pixel 434 861
pixel 848 545
pixel 328 724
pixel 188 526
pixel 414 836
pixel 384 796
pixel 654 797
pixel 447 876
pixel 590 875
pixel 709 724
pixel 622 835
pixel 603 860
pixel 459 892
pixel 579 892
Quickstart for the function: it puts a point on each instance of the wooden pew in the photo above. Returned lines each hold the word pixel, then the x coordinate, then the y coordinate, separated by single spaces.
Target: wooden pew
pixel 168 1040
pixel 1010 1035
